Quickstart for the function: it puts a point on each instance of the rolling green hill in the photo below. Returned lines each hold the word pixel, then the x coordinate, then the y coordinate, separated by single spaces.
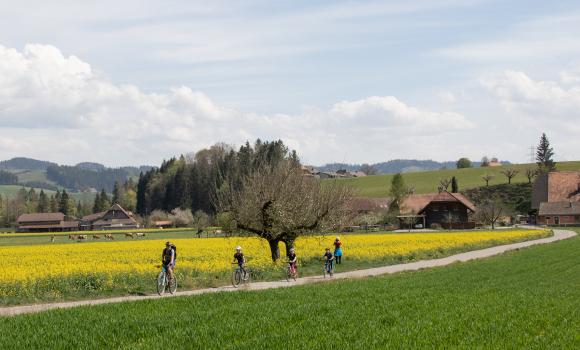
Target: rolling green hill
pixel 428 181
pixel 12 190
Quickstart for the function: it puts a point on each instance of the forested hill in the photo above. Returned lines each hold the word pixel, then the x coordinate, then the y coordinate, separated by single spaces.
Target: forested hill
pixel 81 177
pixel 21 163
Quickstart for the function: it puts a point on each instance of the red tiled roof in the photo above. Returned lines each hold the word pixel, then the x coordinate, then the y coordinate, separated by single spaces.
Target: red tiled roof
pixel 370 204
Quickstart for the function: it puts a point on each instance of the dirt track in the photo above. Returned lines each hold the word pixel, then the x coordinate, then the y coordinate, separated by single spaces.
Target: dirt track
pixel 472 255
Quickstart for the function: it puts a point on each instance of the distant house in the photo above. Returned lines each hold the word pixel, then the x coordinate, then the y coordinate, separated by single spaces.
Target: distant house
pixel 559 213
pixel 163 224
pixel 308 170
pixel 114 218
pixel 494 162
pixel 363 205
pixel 46 222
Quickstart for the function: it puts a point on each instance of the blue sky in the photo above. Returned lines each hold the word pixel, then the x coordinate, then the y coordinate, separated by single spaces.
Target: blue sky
pixel 355 81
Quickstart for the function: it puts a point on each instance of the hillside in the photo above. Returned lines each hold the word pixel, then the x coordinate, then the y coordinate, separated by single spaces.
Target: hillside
pixel 428 181
pixel 12 190
pixel 32 173
pixel 396 166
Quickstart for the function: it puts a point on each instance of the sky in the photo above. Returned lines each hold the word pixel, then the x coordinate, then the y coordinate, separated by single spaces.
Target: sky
pixel 135 82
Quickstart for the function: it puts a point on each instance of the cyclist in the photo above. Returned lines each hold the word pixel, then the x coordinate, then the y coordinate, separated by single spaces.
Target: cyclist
pixel 168 259
pixel 328 260
pixel 292 260
pixel 338 250
pixel 240 260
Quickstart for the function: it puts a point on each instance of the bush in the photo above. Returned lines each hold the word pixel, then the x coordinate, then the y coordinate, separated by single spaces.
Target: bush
pixel 435 226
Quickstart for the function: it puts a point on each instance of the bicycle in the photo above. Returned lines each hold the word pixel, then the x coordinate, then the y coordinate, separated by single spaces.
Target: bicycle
pixel 163 282
pixel 328 268
pixel 291 273
pixel 238 277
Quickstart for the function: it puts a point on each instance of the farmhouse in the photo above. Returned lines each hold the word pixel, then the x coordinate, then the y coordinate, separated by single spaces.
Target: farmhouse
pixel 46 222
pixel 446 209
pixel 556 186
pixel 559 213
pixel 556 198
pixel 449 210
pixel 114 218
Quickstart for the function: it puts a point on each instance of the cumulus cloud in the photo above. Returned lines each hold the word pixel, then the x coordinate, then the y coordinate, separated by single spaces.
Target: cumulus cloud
pixel 537 99
pixel 57 107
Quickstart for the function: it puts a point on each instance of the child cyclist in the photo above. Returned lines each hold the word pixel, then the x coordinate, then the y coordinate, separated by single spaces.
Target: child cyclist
pixel 292 260
pixel 328 261
pixel 338 250
pixel 240 259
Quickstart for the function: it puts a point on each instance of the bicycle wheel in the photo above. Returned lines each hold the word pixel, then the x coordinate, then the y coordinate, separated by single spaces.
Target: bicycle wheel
pixel 248 276
pixel 325 269
pixel 173 284
pixel 237 278
pixel 288 274
pixel 161 281
pixel 295 275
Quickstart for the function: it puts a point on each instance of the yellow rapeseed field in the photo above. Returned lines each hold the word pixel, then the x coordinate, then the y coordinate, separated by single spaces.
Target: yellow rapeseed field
pixel 25 267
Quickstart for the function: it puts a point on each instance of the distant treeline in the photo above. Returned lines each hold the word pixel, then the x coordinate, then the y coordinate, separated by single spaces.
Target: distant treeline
pixel 7 178
pixel 188 183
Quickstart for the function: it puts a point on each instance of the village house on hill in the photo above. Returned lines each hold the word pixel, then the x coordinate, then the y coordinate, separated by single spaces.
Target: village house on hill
pixel 46 222
pixel 114 218
pixel 446 209
pixel 556 198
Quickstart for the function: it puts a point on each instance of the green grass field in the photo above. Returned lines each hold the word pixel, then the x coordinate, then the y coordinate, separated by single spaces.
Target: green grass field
pixel 527 299
pixel 428 181
pixel 12 190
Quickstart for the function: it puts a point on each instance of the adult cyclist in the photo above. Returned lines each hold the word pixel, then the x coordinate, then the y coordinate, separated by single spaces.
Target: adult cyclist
pixel 168 259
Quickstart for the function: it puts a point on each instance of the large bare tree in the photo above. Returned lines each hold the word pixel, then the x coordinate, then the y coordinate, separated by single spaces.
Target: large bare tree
pixel 279 203
pixel 490 211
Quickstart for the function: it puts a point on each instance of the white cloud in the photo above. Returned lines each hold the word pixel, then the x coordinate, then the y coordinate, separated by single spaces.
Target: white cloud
pixel 56 107
pixel 537 99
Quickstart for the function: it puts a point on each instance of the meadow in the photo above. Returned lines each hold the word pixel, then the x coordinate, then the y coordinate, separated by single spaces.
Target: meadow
pixel 428 181
pixel 49 272
pixel 526 299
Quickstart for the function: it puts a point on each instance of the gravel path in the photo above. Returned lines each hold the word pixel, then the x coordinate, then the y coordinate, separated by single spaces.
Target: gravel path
pixel 472 255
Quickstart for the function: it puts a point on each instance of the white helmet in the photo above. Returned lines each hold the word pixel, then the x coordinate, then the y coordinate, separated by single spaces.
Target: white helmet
pixel 292 250
pixel 337 238
pixel 238 248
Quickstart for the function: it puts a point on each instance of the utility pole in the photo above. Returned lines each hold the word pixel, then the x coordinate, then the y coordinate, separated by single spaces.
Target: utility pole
pixel 532 154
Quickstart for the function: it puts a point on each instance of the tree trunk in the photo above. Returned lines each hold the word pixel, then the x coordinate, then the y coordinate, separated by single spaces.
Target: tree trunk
pixel 274 249
pixel 289 242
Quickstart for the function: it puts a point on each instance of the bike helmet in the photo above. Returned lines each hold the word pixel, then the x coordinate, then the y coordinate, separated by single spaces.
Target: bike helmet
pixel 337 238
pixel 238 248
pixel 292 250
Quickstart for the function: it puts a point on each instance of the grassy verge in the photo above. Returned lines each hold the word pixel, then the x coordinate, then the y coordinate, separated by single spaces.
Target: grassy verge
pixel 523 299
